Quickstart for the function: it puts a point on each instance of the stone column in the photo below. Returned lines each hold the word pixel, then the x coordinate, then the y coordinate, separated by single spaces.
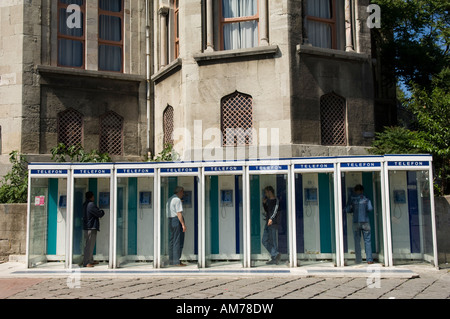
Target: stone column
pixel 263 32
pixel 348 26
pixel 209 26
pixel 163 12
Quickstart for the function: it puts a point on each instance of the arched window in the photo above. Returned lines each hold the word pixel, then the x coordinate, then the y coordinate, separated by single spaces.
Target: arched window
pixel 237 119
pixel 168 125
pixel 333 120
pixel 70 128
pixel 111 134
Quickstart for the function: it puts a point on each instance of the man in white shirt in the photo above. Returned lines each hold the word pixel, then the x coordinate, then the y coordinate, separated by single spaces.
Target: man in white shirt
pixel 177 227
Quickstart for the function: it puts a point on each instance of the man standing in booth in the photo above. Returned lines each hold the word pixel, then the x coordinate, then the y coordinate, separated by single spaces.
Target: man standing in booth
pixel 360 206
pixel 177 227
pixel 91 225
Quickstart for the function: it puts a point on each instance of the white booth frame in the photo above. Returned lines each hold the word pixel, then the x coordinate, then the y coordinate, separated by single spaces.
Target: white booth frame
pixel 336 165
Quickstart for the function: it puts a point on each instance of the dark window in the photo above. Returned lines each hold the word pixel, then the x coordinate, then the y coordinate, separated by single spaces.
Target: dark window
pixel 70 128
pixel 168 125
pixel 237 119
pixel 333 120
pixel 111 134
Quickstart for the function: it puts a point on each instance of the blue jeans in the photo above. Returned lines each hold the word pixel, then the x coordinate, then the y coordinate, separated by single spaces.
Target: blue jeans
pixel 176 240
pixel 270 240
pixel 365 229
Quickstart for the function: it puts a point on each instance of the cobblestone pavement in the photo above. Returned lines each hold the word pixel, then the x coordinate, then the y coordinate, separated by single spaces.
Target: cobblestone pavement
pixel 429 284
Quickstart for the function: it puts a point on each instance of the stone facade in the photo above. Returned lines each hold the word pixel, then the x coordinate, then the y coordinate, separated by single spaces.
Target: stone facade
pixel 13 230
pixel 284 75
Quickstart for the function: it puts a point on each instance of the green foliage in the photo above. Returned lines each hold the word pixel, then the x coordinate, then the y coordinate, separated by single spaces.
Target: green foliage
pixel 431 109
pixel 76 153
pixel 14 186
pixel 168 154
pixel 414 39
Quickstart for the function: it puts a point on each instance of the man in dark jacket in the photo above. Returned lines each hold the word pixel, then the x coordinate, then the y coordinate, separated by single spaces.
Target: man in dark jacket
pixel 270 236
pixel 91 225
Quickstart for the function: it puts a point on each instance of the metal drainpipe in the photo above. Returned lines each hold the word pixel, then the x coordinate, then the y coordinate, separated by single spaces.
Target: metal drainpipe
pixel 148 75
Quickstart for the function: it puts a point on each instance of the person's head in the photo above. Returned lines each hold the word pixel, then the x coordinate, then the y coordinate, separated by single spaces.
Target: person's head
pixel 90 196
pixel 359 189
pixel 179 191
pixel 269 192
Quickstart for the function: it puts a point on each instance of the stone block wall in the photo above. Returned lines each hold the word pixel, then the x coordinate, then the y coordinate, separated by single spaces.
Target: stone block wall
pixel 13 225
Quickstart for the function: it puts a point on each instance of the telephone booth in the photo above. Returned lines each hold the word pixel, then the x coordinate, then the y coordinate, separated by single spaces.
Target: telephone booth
pixel 269 246
pixel 362 229
pixel 134 215
pixel 187 176
pixel 411 218
pixel 97 178
pixel 314 206
pixel 223 221
pixel 47 221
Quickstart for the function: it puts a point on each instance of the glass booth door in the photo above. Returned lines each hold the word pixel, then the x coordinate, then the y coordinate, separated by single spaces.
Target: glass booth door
pixel 223 218
pixel 315 215
pixel 362 215
pixel 98 181
pixel 134 220
pixel 47 224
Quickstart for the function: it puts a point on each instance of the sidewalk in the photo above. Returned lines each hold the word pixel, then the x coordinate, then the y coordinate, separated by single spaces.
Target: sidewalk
pixel 283 283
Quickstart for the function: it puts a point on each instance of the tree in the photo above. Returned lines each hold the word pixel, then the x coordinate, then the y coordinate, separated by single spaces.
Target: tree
pixel 14 185
pixel 76 153
pixel 414 39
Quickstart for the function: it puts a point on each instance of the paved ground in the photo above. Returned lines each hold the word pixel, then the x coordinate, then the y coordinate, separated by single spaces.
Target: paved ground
pixel 426 283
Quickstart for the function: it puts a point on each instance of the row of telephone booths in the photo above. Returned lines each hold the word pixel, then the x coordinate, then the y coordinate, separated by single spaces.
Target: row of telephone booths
pixel 223 212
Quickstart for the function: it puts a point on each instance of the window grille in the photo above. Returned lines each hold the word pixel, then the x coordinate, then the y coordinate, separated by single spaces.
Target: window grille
pixel 168 126
pixel 333 120
pixel 70 128
pixel 237 119
pixel 111 134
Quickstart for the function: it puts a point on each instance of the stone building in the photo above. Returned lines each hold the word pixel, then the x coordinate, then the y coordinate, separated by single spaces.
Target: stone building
pixel 127 76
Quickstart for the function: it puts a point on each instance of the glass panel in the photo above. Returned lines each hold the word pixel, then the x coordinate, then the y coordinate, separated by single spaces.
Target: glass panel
pixel 91 246
pixel 110 28
pixel 410 213
pixel 223 220
pixel 111 5
pixel 70 53
pixel 319 34
pixel 239 8
pixel 268 200
pixel 319 8
pixel 48 213
pixel 240 35
pixel 178 247
pixel 315 218
pixel 110 58
pixel 362 217
pixel 135 221
pixel 64 28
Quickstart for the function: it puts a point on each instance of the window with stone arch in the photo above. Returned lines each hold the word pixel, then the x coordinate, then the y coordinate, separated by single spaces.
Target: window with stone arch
pixel 111 134
pixel 333 120
pixel 168 125
pixel 237 119
pixel 70 128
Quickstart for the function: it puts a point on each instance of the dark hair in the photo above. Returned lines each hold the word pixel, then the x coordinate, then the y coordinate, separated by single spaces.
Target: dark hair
pixel 89 195
pixel 358 188
pixel 270 189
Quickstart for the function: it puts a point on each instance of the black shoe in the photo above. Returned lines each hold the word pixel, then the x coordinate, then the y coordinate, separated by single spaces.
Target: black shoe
pixel 277 259
pixel 271 262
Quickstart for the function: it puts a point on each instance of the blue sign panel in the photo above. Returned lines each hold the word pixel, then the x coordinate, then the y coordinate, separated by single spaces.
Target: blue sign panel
pixel 224 169
pixel 49 171
pixel 180 170
pixel 409 163
pixel 261 168
pixel 361 164
pixel 92 171
pixel 136 171
pixel 314 166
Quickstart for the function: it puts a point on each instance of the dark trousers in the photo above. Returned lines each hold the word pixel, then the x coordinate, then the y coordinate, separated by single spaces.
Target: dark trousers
pixel 90 236
pixel 176 240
